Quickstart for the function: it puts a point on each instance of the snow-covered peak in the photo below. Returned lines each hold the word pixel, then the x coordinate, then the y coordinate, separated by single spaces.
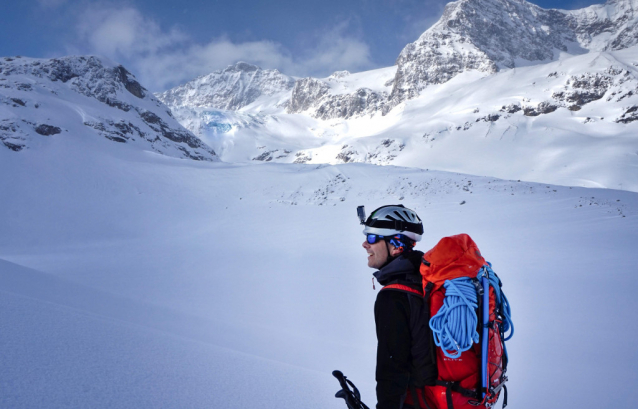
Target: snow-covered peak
pixel 42 100
pixel 232 88
pixel 604 27
pixel 242 66
pixel 483 35
pixel 503 29
pixel 89 75
pixel 339 74
pixel 490 35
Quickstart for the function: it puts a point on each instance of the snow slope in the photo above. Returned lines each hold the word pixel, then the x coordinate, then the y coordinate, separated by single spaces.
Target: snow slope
pixel 132 279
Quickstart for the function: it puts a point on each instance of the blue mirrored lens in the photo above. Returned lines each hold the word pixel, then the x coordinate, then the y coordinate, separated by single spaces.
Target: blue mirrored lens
pixel 373 238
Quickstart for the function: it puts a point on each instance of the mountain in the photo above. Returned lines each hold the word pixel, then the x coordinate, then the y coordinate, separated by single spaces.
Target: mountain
pixel 498 88
pixel 482 35
pixel 611 26
pixel 548 110
pixel 43 100
pixel 233 88
pixel 489 35
pixel 211 104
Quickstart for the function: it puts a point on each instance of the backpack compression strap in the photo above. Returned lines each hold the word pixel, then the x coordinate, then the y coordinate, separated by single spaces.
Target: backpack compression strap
pixel 405 288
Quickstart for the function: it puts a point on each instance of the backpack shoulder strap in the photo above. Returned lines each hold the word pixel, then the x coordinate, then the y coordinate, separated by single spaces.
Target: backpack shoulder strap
pixel 404 288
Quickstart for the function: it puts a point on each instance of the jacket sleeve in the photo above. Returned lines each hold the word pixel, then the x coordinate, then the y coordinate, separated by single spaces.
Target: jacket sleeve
pixel 392 318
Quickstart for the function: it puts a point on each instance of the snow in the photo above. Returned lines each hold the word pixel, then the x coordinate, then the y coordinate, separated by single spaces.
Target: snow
pixel 133 279
pixel 375 80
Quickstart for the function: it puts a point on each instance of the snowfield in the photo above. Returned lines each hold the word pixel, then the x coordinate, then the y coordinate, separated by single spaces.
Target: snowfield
pixel 132 279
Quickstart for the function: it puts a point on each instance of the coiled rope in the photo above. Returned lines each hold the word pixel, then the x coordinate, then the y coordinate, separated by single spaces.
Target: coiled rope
pixel 454 325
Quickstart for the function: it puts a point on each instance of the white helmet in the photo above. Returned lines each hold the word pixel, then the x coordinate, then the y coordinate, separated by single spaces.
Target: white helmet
pixel 392 219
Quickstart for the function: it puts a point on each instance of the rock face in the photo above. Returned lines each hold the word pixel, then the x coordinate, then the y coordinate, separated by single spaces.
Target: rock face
pixel 483 35
pixel 229 89
pixel 306 93
pixel 362 102
pixel 86 94
pixel 607 27
pixel 313 94
pixel 489 35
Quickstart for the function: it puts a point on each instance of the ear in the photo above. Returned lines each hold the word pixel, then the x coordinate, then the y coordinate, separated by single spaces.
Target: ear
pixel 395 251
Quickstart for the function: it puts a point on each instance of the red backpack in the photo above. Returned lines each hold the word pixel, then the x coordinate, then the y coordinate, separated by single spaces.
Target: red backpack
pixel 473 377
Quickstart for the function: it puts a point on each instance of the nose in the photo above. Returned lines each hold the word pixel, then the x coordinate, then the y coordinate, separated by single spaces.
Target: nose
pixel 365 244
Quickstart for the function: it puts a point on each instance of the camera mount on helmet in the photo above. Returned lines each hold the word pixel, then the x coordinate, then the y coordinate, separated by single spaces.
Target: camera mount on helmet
pixel 361 212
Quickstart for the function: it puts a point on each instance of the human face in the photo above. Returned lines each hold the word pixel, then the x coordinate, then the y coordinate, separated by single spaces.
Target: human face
pixel 377 253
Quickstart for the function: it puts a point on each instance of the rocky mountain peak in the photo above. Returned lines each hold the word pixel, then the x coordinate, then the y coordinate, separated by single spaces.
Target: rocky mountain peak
pixel 606 27
pixel 472 35
pixel 490 35
pixel 623 4
pixel 84 95
pixel 74 71
pixel 241 66
pixel 232 88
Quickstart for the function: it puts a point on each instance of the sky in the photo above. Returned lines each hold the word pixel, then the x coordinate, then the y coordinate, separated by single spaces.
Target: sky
pixel 166 43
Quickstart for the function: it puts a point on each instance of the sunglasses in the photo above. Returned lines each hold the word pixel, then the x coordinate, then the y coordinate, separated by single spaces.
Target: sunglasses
pixel 373 238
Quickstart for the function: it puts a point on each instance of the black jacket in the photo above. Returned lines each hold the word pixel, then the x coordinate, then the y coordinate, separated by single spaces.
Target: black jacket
pixel 404 350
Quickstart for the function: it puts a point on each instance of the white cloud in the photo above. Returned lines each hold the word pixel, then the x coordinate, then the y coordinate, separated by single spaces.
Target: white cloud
pixel 124 32
pixel 164 58
pixel 337 51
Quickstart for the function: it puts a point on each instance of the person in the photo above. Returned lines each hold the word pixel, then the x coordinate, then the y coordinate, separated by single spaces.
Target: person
pixel 406 360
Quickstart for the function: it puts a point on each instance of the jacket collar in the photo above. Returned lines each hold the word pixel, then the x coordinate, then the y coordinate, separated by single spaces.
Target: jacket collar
pixel 404 268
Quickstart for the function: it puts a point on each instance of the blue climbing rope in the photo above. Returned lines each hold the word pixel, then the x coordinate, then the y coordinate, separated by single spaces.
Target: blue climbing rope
pixel 454 325
pixel 501 299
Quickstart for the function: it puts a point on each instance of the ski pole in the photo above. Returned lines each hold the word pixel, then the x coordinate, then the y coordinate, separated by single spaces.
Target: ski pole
pixel 352 397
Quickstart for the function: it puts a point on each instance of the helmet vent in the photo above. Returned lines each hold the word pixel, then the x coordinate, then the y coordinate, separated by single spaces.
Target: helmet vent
pixel 400 216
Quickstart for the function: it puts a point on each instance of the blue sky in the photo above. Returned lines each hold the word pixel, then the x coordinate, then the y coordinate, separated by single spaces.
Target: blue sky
pixel 165 43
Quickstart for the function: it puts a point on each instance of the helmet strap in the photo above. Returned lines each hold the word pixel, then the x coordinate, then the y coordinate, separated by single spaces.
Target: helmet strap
pixel 390 257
